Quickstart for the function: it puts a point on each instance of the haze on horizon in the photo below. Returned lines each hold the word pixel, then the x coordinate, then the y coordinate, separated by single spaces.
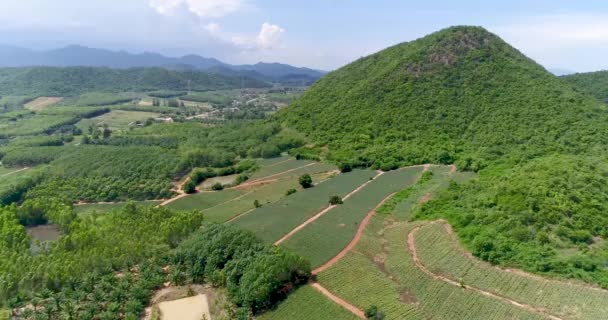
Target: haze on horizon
pixel 559 34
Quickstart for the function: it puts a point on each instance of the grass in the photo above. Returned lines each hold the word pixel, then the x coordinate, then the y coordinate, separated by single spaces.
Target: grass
pixel 441 253
pixel 273 221
pixel 327 236
pixel 307 303
pixel 87 209
pixel 204 200
pixel 117 119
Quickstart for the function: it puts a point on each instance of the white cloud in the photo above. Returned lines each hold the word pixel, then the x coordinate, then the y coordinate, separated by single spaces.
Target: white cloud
pixel 213 29
pixel 201 8
pixel 269 37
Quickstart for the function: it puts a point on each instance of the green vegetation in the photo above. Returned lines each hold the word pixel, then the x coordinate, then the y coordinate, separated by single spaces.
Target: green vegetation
pixel 464 96
pixel 592 83
pixel 328 235
pixel 441 254
pixel 58 82
pixel 257 276
pixel 305 181
pixel 117 119
pixel 275 220
pixel 306 303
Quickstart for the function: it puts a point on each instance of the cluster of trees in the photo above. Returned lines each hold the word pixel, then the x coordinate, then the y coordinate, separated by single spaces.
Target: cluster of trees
pixel 71 81
pixel 592 83
pixel 532 212
pixel 198 176
pixel 256 275
pixel 108 268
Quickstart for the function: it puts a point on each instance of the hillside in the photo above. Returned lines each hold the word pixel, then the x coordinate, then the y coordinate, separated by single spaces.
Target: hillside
pixel 73 56
pixel 593 83
pixel 463 95
pixel 69 81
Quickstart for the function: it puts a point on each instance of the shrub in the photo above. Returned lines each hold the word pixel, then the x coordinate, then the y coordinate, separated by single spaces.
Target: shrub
pixel 217 187
pixel 373 313
pixel 306 181
pixel 290 192
pixel 189 187
pixel 335 200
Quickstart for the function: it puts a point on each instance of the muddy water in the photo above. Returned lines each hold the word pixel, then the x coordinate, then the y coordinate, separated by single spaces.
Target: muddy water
pixel 44 233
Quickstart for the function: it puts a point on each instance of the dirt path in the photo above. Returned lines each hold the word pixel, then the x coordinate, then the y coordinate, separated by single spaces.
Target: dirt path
pixel 411 243
pixel 278 163
pixel 178 188
pixel 354 310
pixel 253 184
pixel 240 215
pixel 324 211
pixel 355 240
pixel 13 172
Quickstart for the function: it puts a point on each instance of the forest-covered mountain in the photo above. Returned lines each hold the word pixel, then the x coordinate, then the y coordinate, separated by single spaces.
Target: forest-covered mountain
pixel 69 81
pixel 462 95
pixel 593 83
pixel 455 94
pixel 83 56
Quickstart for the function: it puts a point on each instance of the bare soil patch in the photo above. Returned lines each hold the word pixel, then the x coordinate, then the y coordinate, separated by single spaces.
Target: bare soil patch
pixel 41 103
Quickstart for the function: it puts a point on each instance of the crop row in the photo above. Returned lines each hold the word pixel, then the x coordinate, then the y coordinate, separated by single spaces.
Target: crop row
pixel 441 254
pixel 274 221
pixel 327 236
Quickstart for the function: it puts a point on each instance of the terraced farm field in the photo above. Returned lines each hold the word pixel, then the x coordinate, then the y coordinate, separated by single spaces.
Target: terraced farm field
pixel 307 303
pixel 274 221
pixel 327 236
pixel 441 253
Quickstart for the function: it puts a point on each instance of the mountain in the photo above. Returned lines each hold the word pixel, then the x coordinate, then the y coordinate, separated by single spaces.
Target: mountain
pixel 69 81
pixel 461 93
pixel 84 56
pixel 593 83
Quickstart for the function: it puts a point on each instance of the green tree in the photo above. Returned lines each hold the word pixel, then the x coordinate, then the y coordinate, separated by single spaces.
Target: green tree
pixel 305 181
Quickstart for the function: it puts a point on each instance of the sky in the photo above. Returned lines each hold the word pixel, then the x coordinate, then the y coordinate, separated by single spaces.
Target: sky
pixel 324 34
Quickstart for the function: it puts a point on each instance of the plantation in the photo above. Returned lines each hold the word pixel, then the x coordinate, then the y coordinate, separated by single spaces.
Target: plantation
pixel 306 303
pixel 273 221
pixel 442 255
pixel 325 237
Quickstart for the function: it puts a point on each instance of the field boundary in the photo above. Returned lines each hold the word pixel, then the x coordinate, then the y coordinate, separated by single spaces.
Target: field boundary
pixel 341 302
pixel 355 240
pixel 324 211
pixel 411 243
pixel 257 181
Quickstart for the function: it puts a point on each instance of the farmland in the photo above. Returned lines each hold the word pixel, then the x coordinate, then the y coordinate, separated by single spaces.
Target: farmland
pixel 118 120
pixel 306 303
pixel 440 252
pixel 325 237
pixel 275 220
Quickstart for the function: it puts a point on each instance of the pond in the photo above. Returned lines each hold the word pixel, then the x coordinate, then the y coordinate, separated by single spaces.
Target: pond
pixel 44 233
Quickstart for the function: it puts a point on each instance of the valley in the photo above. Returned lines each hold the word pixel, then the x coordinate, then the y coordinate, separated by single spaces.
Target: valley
pixel 449 177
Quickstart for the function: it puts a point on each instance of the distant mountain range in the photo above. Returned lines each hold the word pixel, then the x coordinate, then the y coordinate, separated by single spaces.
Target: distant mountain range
pixel 75 55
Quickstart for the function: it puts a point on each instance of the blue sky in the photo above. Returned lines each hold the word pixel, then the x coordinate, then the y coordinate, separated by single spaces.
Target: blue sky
pixel 325 34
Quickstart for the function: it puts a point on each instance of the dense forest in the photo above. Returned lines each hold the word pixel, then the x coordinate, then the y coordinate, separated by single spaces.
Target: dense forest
pixel 50 81
pixel 592 83
pixel 464 96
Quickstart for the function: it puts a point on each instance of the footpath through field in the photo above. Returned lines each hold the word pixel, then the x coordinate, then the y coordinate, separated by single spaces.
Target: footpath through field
pixel 411 242
pixel 13 172
pixel 324 211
